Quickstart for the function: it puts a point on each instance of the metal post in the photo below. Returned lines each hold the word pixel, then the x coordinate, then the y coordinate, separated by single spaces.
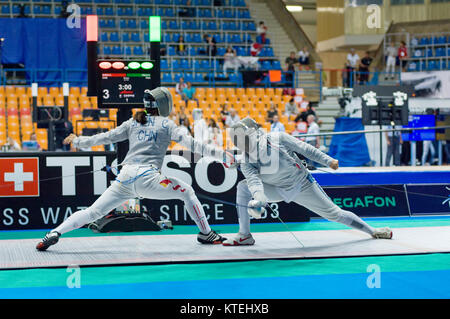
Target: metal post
pixel 413 153
pixel 439 152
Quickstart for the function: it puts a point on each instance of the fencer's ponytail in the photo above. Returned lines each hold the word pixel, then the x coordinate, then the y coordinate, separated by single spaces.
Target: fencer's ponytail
pixel 141 117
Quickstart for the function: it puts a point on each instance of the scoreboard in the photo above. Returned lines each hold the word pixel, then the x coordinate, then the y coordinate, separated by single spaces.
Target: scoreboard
pixel 121 84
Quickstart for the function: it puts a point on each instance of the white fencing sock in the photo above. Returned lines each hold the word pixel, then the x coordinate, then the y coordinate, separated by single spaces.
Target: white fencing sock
pixel 76 220
pixel 195 210
pixel 348 218
pixel 244 218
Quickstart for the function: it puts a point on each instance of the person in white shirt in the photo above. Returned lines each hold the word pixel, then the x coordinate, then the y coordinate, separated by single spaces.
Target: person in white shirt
pixel 201 132
pixel 391 53
pixel 352 63
pixel 313 128
pixel 303 58
pixel 291 108
pixel 180 86
pixel 276 126
pixel 215 134
pixel 232 118
pixel 230 61
pixel 261 30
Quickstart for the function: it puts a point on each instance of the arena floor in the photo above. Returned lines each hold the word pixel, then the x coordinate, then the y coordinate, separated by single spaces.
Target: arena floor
pixel 336 263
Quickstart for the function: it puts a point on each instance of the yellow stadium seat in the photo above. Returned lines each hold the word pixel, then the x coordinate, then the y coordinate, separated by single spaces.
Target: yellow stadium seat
pixel 250 91
pixel 243 98
pixel 286 98
pixel 54 91
pixel 220 91
pixel 210 91
pixel 260 92
pixel 240 91
pixel 221 98
pixel 192 104
pixel 74 90
pixel 10 90
pixel 270 91
pixel 279 91
pixel 229 92
pixel 42 91
pixel 20 90
pixel 232 99
pixel 98 148
pixel 84 90
pixel 204 105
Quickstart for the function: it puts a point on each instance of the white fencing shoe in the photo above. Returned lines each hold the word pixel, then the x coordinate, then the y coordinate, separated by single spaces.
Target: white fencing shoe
pixel 382 233
pixel 240 240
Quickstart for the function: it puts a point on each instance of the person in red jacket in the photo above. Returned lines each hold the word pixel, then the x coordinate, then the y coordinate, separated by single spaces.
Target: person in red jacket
pixel 403 55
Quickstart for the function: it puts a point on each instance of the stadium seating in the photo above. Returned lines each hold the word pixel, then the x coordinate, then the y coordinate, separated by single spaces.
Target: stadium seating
pixel 16 107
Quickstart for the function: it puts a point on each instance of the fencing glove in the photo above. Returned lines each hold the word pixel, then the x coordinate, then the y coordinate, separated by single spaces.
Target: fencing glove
pixel 256 207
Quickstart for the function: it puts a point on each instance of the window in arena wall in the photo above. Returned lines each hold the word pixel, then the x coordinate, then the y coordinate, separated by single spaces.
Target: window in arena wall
pixel 400 2
pixel 356 3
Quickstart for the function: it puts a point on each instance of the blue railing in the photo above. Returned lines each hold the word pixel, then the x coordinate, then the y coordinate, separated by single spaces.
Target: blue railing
pixel 44 77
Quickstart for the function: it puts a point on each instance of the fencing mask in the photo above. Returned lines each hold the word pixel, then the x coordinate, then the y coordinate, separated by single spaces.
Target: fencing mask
pixel 245 134
pixel 160 99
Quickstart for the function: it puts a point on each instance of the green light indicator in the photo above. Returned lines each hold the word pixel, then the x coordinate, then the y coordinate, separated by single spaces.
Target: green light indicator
pixel 154 28
pixel 134 65
pixel 146 65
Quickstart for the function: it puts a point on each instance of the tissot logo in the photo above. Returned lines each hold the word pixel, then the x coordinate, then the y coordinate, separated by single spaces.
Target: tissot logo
pixel 19 177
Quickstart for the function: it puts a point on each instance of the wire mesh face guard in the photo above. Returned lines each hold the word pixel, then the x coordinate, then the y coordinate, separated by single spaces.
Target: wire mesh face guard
pixel 244 135
pixel 160 99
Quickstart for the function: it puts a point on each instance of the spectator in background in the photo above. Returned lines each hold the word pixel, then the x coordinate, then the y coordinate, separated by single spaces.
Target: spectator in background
pixel 291 62
pixel 313 128
pixel 255 49
pixel 62 130
pixel 232 118
pixel 188 93
pixel 181 47
pixel 403 55
pixel 11 145
pixel 352 62
pixel 271 113
pixel 261 31
pixel 183 122
pixel 230 61
pixel 303 58
pixel 224 112
pixel 211 48
pixel 187 11
pixel 394 140
pixel 64 13
pixel 304 115
pixel 32 143
pixel 301 127
pixel 215 134
pixel 291 108
pixel 22 11
pixel 364 68
pixel 391 53
pixel 179 87
pixel 276 125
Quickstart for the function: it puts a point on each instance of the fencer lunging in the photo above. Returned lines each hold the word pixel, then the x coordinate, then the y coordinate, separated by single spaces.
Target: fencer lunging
pixel 274 173
pixel 149 134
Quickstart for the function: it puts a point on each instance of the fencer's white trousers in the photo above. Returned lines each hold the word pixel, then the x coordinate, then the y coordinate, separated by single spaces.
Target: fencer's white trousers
pixel 139 181
pixel 311 196
pixel 390 64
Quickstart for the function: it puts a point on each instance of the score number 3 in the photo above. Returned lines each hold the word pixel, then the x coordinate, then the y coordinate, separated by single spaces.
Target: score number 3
pixel 105 94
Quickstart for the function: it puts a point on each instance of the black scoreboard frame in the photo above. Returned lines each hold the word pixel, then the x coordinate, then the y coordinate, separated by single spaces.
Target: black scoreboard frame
pixel 153 81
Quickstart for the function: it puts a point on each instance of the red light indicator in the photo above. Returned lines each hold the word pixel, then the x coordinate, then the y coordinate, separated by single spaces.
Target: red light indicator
pixel 92 28
pixel 118 65
pixel 105 65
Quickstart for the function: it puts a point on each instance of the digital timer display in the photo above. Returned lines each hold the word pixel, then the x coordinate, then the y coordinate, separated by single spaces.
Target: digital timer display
pixel 122 83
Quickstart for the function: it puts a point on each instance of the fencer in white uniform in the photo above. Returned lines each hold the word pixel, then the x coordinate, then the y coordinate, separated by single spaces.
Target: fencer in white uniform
pixel 274 173
pixel 149 133
pixel 201 132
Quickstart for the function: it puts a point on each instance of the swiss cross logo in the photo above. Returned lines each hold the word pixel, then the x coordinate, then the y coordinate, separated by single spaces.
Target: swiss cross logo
pixel 19 177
